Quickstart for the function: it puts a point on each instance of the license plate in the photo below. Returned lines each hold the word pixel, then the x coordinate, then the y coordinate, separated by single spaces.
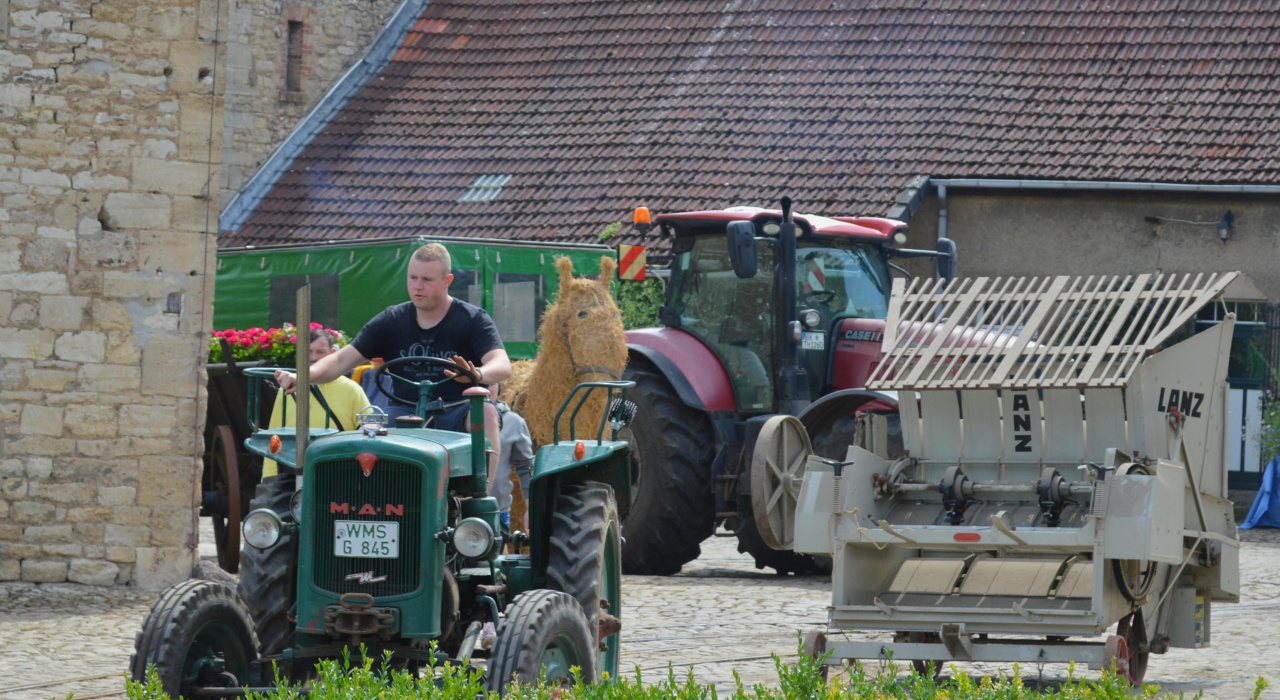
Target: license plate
pixel 363 538
pixel 813 341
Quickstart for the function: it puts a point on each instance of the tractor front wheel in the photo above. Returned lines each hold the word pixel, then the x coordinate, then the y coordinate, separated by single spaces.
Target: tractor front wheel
pixel 197 635
pixel 267 575
pixel 585 562
pixel 672 509
pixel 544 632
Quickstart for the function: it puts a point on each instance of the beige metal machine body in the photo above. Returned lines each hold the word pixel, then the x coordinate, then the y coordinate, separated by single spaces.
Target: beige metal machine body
pixel 1061 471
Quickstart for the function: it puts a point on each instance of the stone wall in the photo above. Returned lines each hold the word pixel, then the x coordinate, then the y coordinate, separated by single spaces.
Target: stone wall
pixel 260 111
pixel 109 154
pixel 115 119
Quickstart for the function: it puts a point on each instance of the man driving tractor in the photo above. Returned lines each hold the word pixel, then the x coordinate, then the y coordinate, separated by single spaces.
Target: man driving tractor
pixel 431 324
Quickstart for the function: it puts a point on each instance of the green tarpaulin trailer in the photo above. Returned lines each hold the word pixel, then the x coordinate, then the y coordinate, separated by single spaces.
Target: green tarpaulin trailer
pixel 351 281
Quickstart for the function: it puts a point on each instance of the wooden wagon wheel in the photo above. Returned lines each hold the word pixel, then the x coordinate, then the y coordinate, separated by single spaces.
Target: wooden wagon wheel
pixel 228 511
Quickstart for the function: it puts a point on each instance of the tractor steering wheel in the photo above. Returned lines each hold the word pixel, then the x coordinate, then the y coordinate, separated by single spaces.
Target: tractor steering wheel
pixel 822 296
pixel 429 386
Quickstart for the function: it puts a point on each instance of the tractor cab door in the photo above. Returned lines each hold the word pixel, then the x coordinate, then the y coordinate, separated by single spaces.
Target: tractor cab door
pixel 838 278
pixel 732 316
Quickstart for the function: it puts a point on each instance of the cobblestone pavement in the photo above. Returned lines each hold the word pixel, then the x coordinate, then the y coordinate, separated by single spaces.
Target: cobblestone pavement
pixel 718 615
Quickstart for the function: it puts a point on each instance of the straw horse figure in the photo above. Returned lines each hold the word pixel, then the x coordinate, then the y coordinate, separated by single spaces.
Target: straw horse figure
pixel 581 340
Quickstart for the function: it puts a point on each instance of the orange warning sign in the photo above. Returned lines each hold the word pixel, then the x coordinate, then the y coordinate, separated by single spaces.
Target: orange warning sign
pixel 631 260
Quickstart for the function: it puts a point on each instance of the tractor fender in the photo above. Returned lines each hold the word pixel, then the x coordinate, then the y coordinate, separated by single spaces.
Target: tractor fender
pixel 825 419
pixel 694 372
pixel 838 404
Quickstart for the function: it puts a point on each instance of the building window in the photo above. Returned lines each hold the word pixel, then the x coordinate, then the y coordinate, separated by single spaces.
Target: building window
pixel 485 188
pixel 293 59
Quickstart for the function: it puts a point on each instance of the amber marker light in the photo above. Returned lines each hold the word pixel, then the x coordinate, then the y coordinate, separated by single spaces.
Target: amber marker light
pixel 579 450
pixel 275 444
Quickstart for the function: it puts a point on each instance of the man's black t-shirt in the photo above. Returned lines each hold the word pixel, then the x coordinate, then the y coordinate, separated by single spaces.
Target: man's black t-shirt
pixel 465 330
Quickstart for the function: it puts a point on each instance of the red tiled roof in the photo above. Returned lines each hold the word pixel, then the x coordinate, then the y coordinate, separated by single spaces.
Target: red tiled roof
pixel 595 106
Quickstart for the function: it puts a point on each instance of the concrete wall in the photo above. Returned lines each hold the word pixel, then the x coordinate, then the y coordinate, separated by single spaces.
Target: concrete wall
pixel 260 112
pixel 107 230
pixel 1029 233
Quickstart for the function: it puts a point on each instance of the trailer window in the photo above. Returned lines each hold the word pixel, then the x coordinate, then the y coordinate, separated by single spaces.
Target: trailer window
pixel 466 286
pixel 324 299
pixel 518 303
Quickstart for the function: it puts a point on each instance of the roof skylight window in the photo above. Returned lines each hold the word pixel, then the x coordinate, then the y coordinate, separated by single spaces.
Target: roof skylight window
pixel 485 188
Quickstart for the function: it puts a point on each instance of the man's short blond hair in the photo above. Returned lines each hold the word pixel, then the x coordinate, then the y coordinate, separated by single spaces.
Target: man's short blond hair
pixel 434 251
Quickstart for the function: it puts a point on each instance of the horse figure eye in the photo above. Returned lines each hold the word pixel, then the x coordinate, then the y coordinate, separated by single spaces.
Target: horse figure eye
pixel 582 314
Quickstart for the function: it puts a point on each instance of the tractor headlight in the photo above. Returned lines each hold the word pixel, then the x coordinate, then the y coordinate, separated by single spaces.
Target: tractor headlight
pixel 295 506
pixel 811 318
pixel 262 528
pixel 473 538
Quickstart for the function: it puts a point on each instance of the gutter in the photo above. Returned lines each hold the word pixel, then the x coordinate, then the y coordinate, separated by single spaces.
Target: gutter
pixel 374 59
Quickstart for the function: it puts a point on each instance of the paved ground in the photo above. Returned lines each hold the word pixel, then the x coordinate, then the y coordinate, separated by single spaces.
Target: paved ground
pixel 717 615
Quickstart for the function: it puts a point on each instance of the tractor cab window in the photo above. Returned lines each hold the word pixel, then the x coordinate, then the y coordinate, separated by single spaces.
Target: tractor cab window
pixel 838 279
pixel 733 316
pixel 848 281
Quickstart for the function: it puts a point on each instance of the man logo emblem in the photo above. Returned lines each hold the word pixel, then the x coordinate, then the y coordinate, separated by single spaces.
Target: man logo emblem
pixel 365 577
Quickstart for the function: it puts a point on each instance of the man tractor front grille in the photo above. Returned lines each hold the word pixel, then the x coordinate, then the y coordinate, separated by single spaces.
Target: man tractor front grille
pixel 391 494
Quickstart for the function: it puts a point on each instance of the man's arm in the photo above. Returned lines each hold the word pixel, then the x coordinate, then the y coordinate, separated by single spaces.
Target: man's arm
pixel 329 368
pixel 495 367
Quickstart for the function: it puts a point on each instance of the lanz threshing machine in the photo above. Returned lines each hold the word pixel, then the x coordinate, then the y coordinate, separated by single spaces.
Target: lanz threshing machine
pixel 1061 473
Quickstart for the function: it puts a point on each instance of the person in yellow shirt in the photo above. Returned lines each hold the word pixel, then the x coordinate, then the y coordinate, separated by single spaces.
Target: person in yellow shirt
pixel 344 397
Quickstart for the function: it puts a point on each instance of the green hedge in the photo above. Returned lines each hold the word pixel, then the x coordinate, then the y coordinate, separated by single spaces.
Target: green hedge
pixel 799 680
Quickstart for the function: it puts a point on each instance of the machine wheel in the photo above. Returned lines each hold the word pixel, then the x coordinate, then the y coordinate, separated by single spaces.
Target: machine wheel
pixel 585 562
pixel 547 630
pixel 1115 655
pixel 766 518
pixel 815 645
pixel 267 575
pixel 1133 631
pixel 672 509
pixel 198 634
pixel 229 510
pixel 777 470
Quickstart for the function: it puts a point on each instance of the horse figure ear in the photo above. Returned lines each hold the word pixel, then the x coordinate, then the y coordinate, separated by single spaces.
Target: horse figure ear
pixel 607 267
pixel 565 266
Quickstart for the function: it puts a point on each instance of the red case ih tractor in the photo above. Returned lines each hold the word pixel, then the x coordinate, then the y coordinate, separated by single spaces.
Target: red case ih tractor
pixel 744 338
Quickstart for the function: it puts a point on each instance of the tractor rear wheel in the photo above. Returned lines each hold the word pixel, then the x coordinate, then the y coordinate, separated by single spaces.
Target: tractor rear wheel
pixel 783 561
pixel 543 630
pixel 267 575
pixel 672 509
pixel 198 634
pixel 585 562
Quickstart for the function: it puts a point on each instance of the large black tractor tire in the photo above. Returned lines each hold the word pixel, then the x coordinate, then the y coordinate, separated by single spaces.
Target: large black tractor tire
pixel 543 629
pixel 267 576
pixel 672 509
pixel 783 561
pixel 585 562
pixel 198 634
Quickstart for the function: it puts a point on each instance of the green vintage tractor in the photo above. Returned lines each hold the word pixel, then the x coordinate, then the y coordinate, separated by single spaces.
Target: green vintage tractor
pixel 386 537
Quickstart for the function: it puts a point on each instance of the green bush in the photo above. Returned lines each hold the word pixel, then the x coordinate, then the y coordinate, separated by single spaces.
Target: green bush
pixel 639 301
pixel 800 680
pixel 1269 433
